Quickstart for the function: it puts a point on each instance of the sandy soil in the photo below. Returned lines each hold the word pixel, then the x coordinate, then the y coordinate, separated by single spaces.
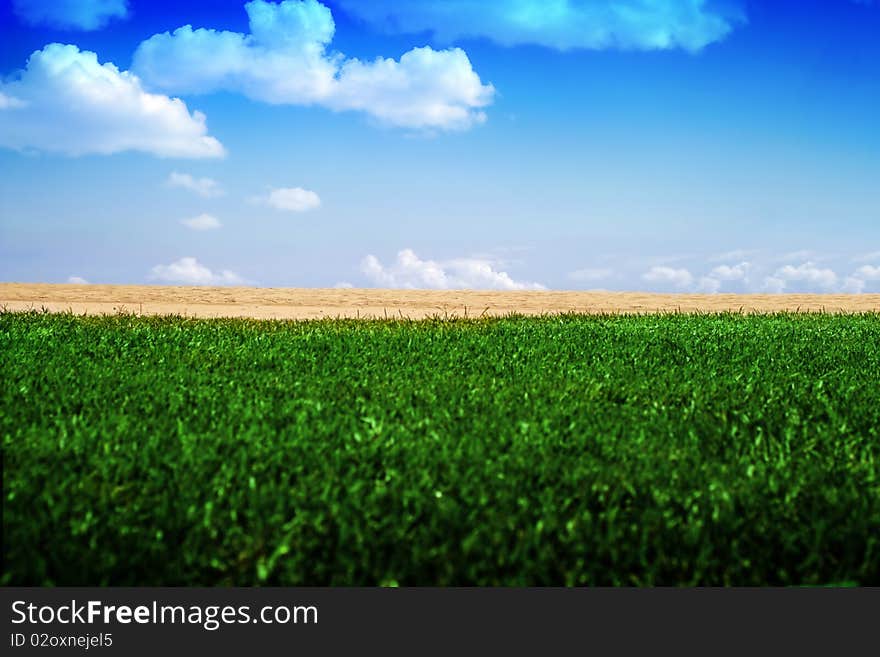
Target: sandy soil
pixel 288 303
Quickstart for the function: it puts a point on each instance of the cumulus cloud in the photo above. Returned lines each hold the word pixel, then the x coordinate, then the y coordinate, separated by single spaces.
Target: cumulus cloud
pixel 858 281
pixel 70 14
pixel 202 222
pixel 807 274
pixel 77 280
pixel 562 24
pixel 284 59
pixel 290 199
pixel 204 187
pixel 731 272
pixel 67 102
pixel 669 275
pixel 766 275
pixel 715 279
pixel 411 272
pixel 189 271
pixel 588 274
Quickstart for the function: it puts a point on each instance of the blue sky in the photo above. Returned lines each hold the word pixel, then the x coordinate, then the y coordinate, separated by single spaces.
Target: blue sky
pixel 613 144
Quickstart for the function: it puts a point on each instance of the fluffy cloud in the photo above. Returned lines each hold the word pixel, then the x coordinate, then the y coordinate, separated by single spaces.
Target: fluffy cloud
pixel 731 272
pixel 189 271
pixel 858 281
pixel 77 280
pixel 204 187
pixel 714 280
pixel 762 276
pixel 70 14
pixel 67 102
pixel 711 283
pixel 807 274
pixel 202 222
pixel 291 199
pixel 561 24
pixel 284 60
pixel 669 275
pixel 411 272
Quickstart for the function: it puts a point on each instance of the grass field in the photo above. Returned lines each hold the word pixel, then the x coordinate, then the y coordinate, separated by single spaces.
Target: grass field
pixel 673 449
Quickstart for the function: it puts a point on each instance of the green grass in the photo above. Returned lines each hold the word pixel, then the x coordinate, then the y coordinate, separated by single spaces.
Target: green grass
pixel 678 449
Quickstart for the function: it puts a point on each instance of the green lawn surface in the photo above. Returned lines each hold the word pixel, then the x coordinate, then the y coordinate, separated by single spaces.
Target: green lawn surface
pixel 565 450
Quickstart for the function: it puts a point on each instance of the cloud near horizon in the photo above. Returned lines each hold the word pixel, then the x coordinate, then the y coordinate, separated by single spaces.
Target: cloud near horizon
pixel 65 101
pixel 411 272
pixel 806 277
pixel 668 275
pixel 70 14
pixel 808 274
pixel 284 59
pixel 189 271
pixel 690 25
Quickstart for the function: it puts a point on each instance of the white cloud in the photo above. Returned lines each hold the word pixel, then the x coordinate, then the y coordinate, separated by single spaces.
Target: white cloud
pixel 589 274
pixel 731 272
pixel 411 272
pixel 70 14
pixel 202 222
pixel 669 275
pixel 290 199
pixel 72 104
pixel 205 187
pixel 284 60
pixel 868 257
pixel 560 24
pixel 712 283
pixel 343 285
pixel 77 280
pixel 189 271
pixel 858 281
pixel 807 274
